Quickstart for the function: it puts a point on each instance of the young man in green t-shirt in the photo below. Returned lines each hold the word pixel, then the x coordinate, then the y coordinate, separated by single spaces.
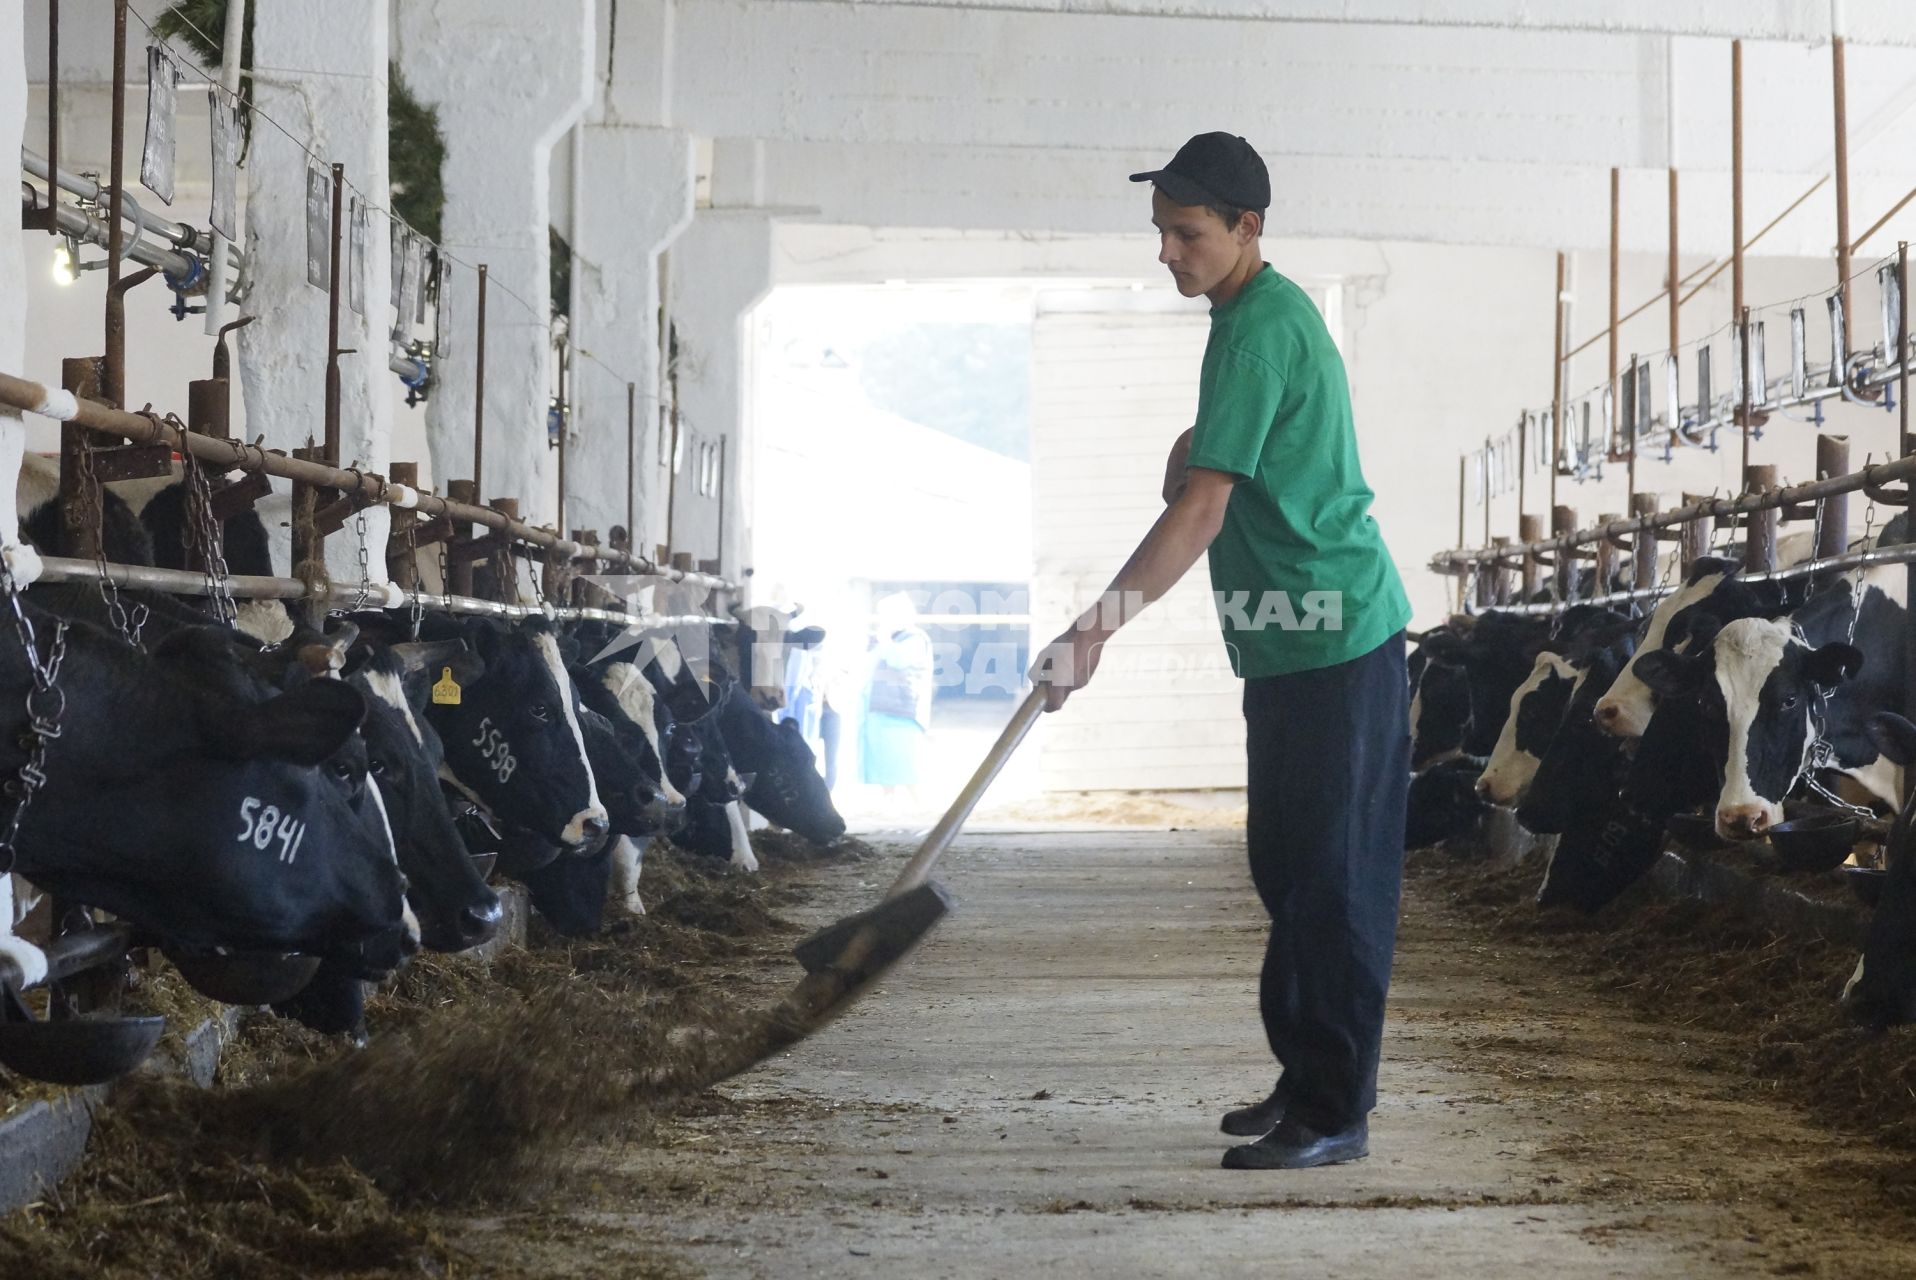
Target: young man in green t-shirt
pixel 1313 614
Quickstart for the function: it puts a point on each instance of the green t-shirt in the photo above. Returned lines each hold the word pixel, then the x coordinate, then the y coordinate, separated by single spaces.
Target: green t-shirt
pixel 1299 571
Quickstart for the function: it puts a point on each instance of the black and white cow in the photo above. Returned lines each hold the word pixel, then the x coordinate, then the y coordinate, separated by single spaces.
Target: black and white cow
pixel 1439 712
pixel 1583 767
pixel 455 908
pixel 1882 990
pixel 512 740
pixel 1711 586
pixel 1442 803
pixel 1580 638
pixel 1770 688
pixel 1496 655
pixel 202 804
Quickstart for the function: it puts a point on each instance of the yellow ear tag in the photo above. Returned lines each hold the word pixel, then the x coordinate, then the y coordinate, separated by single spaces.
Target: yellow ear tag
pixel 445 690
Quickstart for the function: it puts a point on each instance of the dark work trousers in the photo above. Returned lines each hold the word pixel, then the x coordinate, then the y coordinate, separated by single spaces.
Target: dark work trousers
pixel 1329 754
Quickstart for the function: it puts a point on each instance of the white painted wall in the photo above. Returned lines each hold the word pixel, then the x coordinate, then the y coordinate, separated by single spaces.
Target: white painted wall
pixel 638 189
pixel 322 74
pixel 720 269
pixel 509 81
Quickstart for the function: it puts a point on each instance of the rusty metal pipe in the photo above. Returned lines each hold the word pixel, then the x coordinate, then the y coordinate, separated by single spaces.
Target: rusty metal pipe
pixel 113 379
pixel 33 397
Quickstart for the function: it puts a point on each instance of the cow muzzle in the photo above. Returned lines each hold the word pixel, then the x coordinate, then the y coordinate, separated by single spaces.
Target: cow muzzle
pixel 1744 821
pixel 587 830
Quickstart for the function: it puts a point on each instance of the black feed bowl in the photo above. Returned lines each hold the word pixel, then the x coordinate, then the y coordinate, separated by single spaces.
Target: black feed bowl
pixel 245 977
pixel 1866 883
pixel 1815 842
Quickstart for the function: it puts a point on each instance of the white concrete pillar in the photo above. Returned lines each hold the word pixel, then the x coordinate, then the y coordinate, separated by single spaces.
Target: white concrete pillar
pixel 636 192
pixel 720 269
pixel 508 79
pixel 13 268
pixel 321 71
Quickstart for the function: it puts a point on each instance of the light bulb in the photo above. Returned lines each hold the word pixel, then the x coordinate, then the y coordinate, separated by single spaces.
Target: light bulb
pixel 62 264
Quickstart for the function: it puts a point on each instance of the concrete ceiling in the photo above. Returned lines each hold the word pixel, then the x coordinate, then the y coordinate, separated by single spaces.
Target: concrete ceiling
pixel 1466 121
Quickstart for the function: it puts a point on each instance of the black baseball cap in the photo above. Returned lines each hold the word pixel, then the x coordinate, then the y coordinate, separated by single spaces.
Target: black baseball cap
pixel 1214 168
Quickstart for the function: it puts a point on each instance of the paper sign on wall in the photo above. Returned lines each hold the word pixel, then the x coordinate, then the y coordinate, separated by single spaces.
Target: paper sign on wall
pixel 227 136
pixel 162 108
pixel 319 228
pixel 356 290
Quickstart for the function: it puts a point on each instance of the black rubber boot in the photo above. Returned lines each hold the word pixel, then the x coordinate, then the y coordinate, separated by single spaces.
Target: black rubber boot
pixel 1257 1119
pixel 1293 1145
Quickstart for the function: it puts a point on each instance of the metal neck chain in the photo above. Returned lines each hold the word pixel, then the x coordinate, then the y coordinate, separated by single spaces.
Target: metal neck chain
pixel 209 542
pixel 365 589
pixel 46 704
pixel 417 613
pixel 93 509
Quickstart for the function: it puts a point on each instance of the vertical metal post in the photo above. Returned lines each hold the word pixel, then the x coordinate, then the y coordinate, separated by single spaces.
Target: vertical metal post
pixel 565 431
pixel 309 554
pixel 459 567
pixel 1842 191
pixel 1759 544
pixel 1616 257
pixel 51 218
pixel 1606 562
pixel 505 558
pixel 1908 447
pixel 1563 523
pixel 332 322
pixel 1832 459
pixel 1523 460
pixel 1643 548
pixel 1743 342
pixel 1676 293
pixel 631 467
pixel 719 557
pixel 1693 536
pixel 401 565
pixel 1556 384
pixel 112 375
pixel 479 395
pixel 1486 458
pixel 1530 529
pixel 1500 576
pixel 1736 178
pixel 81 376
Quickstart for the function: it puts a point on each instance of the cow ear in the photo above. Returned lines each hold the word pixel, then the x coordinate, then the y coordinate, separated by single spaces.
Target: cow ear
pixel 1832 664
pixel 303 726
pixel 433 656
pixel 1667 674
pixel 1894 736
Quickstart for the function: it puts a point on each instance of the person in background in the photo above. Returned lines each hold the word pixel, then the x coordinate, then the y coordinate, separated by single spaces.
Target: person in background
pixel 898 680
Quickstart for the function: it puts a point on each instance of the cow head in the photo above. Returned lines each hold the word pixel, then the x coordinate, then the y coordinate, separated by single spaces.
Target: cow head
pixel 1764 690
pixel 1442 803
pixel 455 908
pixel 1536 708
pixel 197 801
pixel 1711 589
pixel 1439 713
pixel 786 786
pixel 1582 767
pixel 1882 990
pixel 513 740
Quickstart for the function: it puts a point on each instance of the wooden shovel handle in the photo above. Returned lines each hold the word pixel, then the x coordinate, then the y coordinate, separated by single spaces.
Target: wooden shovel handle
pixel 918 870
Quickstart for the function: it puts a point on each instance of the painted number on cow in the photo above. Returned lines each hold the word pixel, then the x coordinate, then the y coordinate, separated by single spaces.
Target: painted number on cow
pixel 493 746
pixel 263 826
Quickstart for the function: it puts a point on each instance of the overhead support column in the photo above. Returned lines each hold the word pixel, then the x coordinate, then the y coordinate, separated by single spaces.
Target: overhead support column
pixel 636 199
pixel 721 268
pixel 508 79
pixel 321 71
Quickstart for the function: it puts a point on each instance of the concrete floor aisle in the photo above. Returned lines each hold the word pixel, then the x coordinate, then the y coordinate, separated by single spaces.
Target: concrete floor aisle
pixel 1037 1093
